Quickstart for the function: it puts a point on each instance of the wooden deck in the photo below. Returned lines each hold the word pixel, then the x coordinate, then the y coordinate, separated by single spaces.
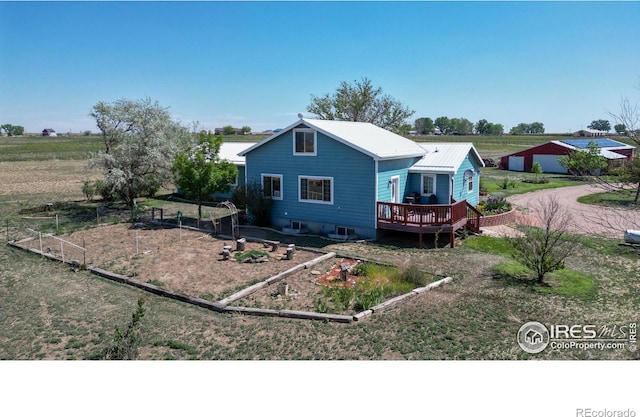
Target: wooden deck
pixel 429 218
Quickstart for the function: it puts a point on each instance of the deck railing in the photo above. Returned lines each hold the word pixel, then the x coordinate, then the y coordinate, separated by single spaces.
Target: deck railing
pixel 473 218
pixel 422 215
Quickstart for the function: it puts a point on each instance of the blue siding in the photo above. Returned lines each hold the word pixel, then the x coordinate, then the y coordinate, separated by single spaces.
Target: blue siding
pixel 442 187
pixel 392 168
pixel 460 191
pixel 353 183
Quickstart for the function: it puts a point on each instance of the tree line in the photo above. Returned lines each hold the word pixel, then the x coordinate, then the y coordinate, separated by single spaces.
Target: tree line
pixel 12 130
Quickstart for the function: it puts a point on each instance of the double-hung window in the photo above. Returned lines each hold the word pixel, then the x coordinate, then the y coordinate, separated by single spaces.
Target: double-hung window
pixel 316 189
pixel 304 142
pixel 428 184
pixel 272 186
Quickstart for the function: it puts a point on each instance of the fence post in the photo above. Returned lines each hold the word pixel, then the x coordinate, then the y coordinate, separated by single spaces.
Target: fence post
pixel 62 250
pixel 40 237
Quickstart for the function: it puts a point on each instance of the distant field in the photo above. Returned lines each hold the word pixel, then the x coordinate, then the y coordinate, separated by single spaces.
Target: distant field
pixel 41 148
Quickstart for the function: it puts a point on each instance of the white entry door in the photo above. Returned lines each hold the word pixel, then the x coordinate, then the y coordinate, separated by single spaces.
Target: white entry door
pixel 395 189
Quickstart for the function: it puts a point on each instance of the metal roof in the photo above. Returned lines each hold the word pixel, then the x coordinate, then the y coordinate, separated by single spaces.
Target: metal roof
pixel 445 157
pixel 601 142
pixel 230 151
pixel 374 141
pixel 606 152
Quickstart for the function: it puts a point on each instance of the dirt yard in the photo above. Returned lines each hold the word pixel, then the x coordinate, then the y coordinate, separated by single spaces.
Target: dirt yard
pixel 183 261
pixel 586 218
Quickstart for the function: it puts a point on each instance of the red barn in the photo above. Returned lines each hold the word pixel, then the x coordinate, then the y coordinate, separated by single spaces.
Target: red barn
pixel 547 154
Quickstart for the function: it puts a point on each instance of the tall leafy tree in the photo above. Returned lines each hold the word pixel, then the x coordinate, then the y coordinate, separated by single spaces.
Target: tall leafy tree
pixel 199 172
pixel 527 128
pixel 603 125
pixel 12 130
pixel 482 127
pixel 620 128
pixel 461 126
pixel 444 124
pixel 361 102
pixel 424 126
pixel 140 141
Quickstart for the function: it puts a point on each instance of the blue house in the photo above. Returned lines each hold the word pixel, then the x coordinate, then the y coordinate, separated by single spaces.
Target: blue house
pixel 347 179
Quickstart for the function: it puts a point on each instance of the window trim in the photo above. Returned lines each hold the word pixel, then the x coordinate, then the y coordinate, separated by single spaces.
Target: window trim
pixel 281 184
pixel 314 177
pixel 470 184
pixel 315 142
pixel 434 176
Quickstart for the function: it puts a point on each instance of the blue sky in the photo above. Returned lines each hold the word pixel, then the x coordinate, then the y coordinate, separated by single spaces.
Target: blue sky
pixel 258 63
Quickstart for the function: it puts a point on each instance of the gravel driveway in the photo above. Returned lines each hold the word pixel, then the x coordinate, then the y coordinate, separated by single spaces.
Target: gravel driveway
pixel 587 218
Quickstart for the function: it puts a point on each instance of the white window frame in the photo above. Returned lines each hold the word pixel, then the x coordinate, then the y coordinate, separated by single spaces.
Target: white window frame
pixel 262 176
pixel 312 177
pixel 315 142
pixel 470 184
pixel 422 177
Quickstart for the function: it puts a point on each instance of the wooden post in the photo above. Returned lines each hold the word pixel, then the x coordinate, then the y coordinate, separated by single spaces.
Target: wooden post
pixel 40 237
pixel 283 289
pixel 290 253
pixel 225 254
pixel 344 271
pixel 136 242
pixel 452 238
pixel 274 246
pixel 292 247
pixel 241 244
pixel 227 248
pixel 84 253
pixel 62 250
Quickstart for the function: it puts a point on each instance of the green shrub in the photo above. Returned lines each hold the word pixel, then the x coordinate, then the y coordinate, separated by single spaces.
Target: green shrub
pixel 321 305
pixel 508 183
pixel 341 297
pixel 366 299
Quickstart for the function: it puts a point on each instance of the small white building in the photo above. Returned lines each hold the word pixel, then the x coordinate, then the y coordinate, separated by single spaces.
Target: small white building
pixel 590 133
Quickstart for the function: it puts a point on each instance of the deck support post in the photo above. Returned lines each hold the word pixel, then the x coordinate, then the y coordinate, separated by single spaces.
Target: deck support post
pixel 452 239
pixel 420 240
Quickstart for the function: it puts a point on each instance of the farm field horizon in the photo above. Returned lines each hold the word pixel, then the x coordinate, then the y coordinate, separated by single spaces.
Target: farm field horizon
pixel 32 147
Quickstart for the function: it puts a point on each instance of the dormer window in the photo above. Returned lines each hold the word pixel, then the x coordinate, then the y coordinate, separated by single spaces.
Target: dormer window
pixel 304 142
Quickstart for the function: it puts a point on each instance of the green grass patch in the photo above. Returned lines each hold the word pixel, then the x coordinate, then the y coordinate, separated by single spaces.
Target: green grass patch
pixel 495 245
pixel 513 271
pixel 564 282
pixel 519 183
pixel 569 283
pixel 242 256
pixel 620 198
